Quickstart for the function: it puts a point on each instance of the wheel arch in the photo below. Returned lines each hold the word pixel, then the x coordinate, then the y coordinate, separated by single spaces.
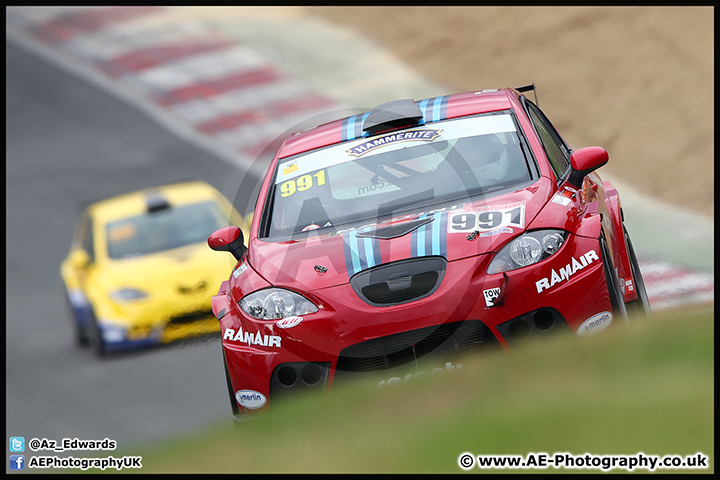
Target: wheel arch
pixel 615 235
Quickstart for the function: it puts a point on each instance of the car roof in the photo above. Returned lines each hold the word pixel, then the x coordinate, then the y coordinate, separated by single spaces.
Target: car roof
pixel 433 109
pixel 136 203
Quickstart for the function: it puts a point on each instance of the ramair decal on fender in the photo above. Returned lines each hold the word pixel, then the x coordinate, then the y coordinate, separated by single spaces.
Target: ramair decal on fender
pixel 566 271
pixel 250 338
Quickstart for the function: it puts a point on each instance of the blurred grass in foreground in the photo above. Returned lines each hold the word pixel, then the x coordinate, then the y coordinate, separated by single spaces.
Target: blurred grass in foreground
pixel 643 387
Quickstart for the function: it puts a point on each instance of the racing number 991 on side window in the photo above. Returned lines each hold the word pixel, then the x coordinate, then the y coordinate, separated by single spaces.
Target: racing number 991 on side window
pixel 419 229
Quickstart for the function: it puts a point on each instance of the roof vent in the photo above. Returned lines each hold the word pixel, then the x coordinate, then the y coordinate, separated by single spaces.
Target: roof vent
pixel 156 202
pixel 393 116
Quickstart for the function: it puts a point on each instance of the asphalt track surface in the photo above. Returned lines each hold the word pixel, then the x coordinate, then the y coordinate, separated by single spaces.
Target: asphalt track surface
pixel 70 142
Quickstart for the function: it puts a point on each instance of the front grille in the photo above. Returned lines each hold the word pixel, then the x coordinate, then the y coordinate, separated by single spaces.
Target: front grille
pixel 406 347
pixel 417 286
pixel 190 318
pixel 185 289
pixel 399 282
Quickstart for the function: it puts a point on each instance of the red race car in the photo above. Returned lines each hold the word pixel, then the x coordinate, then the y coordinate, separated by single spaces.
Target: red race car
pixel 419 230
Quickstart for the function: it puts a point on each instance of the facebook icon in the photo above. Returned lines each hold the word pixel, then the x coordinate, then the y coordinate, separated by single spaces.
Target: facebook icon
pixel 17 462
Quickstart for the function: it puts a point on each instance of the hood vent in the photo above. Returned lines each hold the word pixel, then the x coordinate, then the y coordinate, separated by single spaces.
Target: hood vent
pixel 394 231
pixel 399 282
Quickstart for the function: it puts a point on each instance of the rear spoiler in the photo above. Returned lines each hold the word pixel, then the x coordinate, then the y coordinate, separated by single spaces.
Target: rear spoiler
pixel 528 88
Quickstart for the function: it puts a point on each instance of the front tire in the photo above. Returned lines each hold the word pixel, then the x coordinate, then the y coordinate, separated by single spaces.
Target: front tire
pixel 640 306
pixel 233 402
pixel 97 344
pixel 81 335
pixel 616 297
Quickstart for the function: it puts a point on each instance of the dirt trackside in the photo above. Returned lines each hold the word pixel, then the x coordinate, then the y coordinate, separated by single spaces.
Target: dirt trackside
pixel 638 81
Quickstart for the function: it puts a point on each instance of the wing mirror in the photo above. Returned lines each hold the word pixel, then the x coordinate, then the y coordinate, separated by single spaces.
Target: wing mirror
pixel 584 161
pixel 228 239
pixel 79 259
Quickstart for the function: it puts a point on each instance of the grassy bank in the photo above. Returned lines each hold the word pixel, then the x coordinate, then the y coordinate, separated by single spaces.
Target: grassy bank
pixel 645 387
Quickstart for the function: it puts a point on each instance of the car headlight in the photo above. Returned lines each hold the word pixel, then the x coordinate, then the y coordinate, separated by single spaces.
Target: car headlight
pixel 276 303
pixel 125 294
pixel 112 332
pixel 527 249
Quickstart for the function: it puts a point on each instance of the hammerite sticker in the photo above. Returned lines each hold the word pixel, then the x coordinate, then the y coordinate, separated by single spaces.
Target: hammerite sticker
pixel 427 134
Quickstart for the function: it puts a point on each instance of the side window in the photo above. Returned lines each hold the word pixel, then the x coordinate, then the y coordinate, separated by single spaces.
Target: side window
pixel 84 237
pixel 557 152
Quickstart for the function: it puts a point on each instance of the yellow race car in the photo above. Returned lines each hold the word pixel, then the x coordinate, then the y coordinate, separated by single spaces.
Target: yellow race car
pixel 139 272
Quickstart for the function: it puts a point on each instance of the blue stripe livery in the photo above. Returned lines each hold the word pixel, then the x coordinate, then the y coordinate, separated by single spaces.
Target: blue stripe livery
pixel 364 252
pixel 360 253
pixel 352 126
pixel 431 238
pixel 433 109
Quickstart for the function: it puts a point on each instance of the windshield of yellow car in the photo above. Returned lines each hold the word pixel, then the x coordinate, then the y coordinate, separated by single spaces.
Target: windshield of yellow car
pixel 375 177
pixel 164 229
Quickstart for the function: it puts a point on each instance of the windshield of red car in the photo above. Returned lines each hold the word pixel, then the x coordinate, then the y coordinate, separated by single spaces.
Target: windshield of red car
pixel 379 176
pixel 165 229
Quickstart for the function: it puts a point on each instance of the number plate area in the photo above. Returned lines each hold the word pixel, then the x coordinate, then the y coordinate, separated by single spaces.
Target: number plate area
pixel 487 218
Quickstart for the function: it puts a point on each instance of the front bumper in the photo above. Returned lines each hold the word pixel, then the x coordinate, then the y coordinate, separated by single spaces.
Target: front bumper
pixel 470 310
pixel 144 332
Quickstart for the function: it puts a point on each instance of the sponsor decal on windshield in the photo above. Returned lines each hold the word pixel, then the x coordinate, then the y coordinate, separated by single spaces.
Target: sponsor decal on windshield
pixel 322 158
pixel 427 135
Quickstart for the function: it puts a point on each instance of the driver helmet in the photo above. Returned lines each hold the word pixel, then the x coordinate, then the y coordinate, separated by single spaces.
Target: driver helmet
pixel 486 155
